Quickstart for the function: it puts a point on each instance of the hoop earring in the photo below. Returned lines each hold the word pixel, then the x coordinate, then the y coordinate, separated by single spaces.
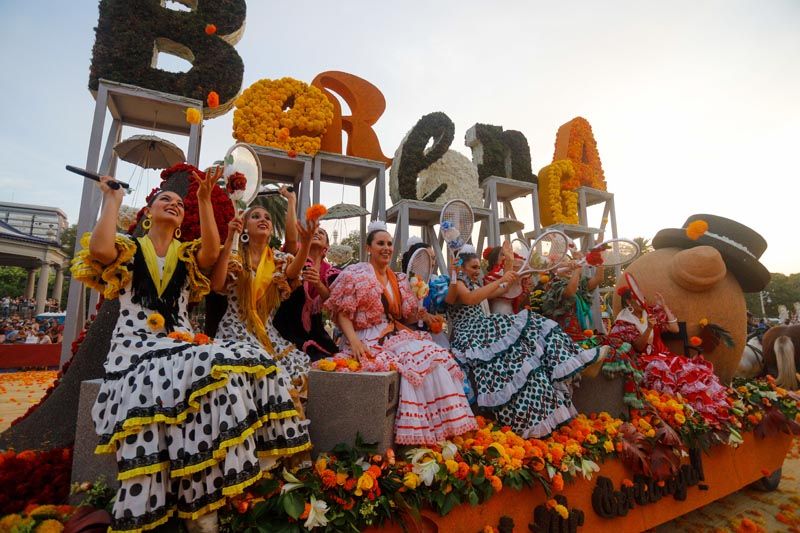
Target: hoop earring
pixel 244 237
pixel 177 233
pixel 147 223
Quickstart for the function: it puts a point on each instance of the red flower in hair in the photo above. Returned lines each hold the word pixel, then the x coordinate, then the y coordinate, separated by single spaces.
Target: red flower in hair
pixel 486 252
pixel 623 290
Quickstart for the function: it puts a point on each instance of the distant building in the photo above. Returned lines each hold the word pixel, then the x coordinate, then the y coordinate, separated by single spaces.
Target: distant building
pixel 46 223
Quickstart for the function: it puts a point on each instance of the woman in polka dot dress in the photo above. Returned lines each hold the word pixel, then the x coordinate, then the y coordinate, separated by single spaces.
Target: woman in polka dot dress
pixel 519 364
pixel 192 423
pixel 255 281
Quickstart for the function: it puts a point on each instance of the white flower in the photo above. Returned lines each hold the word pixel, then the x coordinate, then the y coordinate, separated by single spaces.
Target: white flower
pixel 292 482
pixel 588 468
pixel 426 471
pixel 316 516
pixel 448 450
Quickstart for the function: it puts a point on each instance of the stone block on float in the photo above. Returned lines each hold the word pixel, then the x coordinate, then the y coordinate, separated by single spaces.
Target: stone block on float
pixel 86 465
pixel 600 393
pixel 342 405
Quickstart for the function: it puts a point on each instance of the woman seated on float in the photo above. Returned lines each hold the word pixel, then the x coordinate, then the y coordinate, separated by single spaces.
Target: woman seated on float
pixel 371 305
pixel 567 297
pixel 299 318
pixel 641 325
pixel 192 422
pixel 502 259
pixel 433 295
pixel 256 279
pixel 519 365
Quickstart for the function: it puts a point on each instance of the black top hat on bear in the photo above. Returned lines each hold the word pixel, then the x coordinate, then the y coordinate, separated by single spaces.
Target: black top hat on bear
pixel 740 247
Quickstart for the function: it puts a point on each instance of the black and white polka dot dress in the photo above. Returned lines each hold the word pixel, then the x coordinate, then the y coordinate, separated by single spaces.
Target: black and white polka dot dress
pixel 191 424
pixel 294 362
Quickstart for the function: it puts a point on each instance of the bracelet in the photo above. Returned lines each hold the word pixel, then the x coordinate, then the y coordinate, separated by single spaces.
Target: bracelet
pixel 672 321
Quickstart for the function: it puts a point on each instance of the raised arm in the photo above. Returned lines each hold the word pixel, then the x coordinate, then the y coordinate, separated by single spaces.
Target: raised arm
pixel 597 278
pixel 101 244
pixel 220 273
pixel 306 233
pixel 490 290
pixel 290 240
pixel 209 235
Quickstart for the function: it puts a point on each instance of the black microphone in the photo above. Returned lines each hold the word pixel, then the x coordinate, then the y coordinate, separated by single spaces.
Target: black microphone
pixel 96 177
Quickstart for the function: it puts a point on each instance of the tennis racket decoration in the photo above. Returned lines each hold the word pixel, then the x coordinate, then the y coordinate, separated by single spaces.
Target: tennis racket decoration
pixel 241 159
pixel 548 251
pixel 520 249
pixel 611 253
pixel 419 270
pixel 455 224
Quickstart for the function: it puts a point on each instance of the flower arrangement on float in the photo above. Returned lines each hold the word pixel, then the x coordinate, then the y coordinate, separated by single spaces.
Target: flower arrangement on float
pixel 286 113
pixel 37 519
pixel 351 488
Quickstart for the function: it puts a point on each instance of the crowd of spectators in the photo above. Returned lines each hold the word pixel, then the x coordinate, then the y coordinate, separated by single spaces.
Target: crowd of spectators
pixel 18 330
pixel 24 307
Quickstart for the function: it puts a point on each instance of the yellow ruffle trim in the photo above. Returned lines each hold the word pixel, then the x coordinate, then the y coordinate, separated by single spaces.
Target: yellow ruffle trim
pixel 228 492
pixel 133 425
pixel 106 279
pixel 143 470
pixel 221 451
pixel 199 284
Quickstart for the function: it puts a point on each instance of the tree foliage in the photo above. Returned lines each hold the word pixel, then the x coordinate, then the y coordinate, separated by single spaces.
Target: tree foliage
pixel 782 290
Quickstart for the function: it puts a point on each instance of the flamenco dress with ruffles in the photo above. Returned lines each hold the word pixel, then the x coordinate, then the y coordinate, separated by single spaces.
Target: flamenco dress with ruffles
pixel 693 378
pixel 573 314
pixel 242 321
pixel 519 365
pixel 191 424
pixel 432 404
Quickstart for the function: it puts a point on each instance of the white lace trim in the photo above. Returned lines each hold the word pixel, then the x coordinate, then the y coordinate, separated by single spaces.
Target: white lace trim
pixel 728 240
pixel 573 364
pixel 488 353
pixel 548 425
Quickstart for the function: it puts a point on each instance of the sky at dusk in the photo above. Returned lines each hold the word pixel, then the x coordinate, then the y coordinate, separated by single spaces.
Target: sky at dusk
pixel 695 105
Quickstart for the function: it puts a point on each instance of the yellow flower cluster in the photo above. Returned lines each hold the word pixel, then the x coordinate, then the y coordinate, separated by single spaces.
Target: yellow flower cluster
pixel 558 203
pixel 286 113
pixel 575 141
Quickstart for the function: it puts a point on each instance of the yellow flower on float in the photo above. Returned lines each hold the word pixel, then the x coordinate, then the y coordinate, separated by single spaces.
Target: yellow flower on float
pixel 679 418
pixel 608 446
pixel 411 480
pixel 365 482
pixel 451 465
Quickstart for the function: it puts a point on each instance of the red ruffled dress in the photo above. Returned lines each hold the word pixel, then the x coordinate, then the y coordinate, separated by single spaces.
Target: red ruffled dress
pixel 692 378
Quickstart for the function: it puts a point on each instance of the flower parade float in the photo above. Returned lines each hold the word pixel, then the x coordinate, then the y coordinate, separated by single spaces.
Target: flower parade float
pixel 626 471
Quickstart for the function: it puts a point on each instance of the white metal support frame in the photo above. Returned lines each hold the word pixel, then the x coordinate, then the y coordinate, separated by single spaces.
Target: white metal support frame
pixel 133 106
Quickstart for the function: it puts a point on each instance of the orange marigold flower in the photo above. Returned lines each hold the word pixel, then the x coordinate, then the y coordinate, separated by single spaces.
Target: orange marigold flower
pixel 306 511
pixel 201 338
pixel 695 340
pixel 211 29
pixel 350 484
pixel 497 484
pixel 696 229
pixel 558 482
pixel 314 212
pixel 193 116
pixel 627 483
pixel 329 479
pixel 213 99
pixel 292 153
pixel 374 471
